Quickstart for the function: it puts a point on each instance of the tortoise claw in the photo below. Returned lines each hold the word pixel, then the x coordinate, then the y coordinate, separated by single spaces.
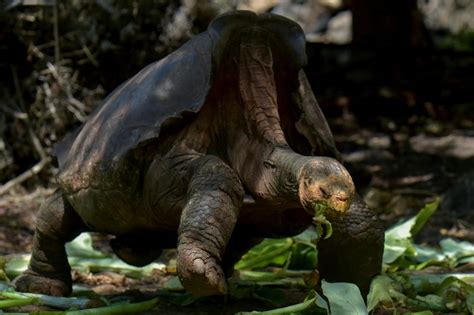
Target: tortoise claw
pixel 35 283
pixel 201 275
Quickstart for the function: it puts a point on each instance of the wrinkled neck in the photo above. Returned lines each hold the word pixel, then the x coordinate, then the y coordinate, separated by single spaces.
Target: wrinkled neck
pixel 257 147
pixel 258 89
pixel 289 165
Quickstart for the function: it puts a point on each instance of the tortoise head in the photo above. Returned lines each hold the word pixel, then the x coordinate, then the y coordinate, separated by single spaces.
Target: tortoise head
pixel 325 181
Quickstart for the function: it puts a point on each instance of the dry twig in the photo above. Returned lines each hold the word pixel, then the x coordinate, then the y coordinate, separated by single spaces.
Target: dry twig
pixel 44 159
pixel 38 167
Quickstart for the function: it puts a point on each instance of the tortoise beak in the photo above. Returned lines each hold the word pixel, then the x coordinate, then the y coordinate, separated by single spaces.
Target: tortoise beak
pixel 340 201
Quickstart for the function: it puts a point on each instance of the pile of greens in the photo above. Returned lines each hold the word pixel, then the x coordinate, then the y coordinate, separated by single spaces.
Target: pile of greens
pixel 415 279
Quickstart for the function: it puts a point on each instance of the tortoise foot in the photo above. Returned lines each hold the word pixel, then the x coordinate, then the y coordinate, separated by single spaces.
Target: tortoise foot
pixel 201 276
pixel 35 283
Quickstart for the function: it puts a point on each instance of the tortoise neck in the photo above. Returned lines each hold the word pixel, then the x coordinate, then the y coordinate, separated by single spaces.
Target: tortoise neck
pixel 258 89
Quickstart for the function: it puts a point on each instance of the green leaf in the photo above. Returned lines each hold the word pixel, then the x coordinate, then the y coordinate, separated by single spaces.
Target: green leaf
pixel 257 276
pixel 433 300
pixel 470 302
pixel 424 253
pixel 173 284
pixel 4 286
pixel 52 301
pixel 394 248
pixel 269 252
pixel 16 265
pixel 113 264
pixel 399 238
pixel 83 257
pixel 17 302
pixel 428 283
pixel 308 237
pixel 344 298
pixel 424 215
pixel 312 302
pixel 303 257
pixel 81 246
pixel 3 275
pixel 380 292
pixel 321 221
pixel 455 249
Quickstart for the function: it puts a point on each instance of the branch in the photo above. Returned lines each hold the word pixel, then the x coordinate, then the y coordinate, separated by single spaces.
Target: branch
pixel 34 139
pixel 44 159
pixel 25 175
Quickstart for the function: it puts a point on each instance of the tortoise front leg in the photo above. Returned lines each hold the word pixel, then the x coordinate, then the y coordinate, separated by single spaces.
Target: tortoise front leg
pixel 214 198
pixel 49 271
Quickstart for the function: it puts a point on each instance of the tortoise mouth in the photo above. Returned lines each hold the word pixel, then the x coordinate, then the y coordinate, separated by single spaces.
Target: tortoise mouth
pixel 333 205
pixel 340 204
pixel 321 199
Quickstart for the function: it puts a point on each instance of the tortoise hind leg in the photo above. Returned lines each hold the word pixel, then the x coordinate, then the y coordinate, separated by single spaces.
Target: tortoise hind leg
pixel 49 271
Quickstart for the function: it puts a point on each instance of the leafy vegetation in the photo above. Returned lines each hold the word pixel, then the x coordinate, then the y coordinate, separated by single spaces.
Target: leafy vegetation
pixel 415 279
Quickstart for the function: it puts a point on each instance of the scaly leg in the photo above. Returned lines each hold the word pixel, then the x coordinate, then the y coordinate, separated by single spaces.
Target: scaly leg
pixel 49 271
pixel 214 198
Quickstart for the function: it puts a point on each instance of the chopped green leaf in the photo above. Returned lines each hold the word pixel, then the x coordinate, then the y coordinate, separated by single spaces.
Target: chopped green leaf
pixel 81 246
pixel 470 302
pixel 52 301
pixel 312 303
pixel 424 215
pixel 380 292
pixel 173 284
pixel 455 249
pixel 269 252
pixel 323 226
pixel 16 265
pixel 344 298
pixel 399 239
pixel 17 302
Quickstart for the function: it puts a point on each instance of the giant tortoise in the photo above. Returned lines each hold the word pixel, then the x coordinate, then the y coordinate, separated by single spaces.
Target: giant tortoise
pixel 209 150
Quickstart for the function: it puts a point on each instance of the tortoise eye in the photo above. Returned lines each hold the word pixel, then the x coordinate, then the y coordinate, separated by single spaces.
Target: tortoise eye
pixel 269 164
pixel 324 192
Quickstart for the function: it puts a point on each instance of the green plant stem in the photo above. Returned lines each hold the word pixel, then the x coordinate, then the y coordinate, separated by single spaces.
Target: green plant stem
pixel 52 301
pixel 17 302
